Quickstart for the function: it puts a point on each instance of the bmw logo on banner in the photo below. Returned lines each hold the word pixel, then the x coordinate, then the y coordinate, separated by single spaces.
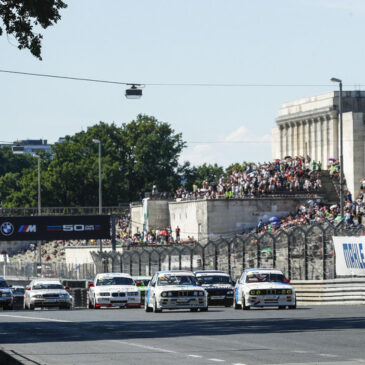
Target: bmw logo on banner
pixel 50 228
pixel 6 229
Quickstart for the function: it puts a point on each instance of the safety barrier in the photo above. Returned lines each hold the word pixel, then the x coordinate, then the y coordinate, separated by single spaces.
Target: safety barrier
pixel 336 292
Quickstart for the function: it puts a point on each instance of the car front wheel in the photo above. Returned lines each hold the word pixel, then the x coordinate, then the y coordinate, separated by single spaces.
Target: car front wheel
pixel 146 307
pixel 155 308
pixel 244 306
pixel 235 304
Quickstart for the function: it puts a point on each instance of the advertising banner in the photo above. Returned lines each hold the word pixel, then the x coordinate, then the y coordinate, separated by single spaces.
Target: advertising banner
pixel 350 255
pixel 54 227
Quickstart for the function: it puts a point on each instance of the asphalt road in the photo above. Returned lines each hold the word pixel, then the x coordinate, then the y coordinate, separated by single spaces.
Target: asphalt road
pixel 307 335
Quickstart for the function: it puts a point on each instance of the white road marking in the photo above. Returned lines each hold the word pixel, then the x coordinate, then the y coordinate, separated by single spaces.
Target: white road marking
pixel 238 363
pixel 38 318
pixel 217 360
pixel 196 356
pixel 300 351
pixel 157 349
pixel 328 355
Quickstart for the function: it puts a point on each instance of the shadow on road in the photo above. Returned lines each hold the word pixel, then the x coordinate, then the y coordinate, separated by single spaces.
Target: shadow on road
pixel 38 332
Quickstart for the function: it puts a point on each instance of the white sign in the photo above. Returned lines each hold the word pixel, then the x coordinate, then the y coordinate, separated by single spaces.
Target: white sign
pixel 350 255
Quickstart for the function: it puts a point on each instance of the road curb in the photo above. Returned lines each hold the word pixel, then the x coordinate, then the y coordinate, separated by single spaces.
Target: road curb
pixel 9 357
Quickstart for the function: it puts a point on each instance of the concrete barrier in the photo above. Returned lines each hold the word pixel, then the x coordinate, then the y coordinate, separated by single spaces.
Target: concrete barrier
pixel 326 292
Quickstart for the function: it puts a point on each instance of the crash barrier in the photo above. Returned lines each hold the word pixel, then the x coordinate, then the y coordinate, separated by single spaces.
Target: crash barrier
pixel 338 291
pixel 302 253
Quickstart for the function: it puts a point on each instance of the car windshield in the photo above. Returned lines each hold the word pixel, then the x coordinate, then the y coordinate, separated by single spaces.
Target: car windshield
pixel 115 281
pixel 3 284
pixel 166 279
pixel 265 277
pixel 18 291
pixel 46 286
pixel 213 279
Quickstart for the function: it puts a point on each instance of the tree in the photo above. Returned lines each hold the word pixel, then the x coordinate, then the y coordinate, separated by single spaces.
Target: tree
pixel 9 162
pixel 196 175
pixel 153 151
pixel 21 17
pixel 135 157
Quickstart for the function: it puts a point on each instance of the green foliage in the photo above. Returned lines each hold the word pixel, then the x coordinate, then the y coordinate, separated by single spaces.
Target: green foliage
pixel 135 156
pixel 21 17
pixel 196 175
pixel 237 166
pixel 10 162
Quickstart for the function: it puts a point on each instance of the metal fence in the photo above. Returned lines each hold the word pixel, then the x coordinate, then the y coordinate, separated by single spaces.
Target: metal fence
pixel 120 209
pixel 303 253
pixel 30 270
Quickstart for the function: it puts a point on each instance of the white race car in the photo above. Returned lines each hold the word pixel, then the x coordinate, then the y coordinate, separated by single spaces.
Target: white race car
pixel 175 289
pixel 114 290
pixel 46 293
pixel 218 284
pixel 263 288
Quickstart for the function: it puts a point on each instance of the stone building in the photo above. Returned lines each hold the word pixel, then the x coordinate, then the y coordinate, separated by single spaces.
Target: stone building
pixel 310 126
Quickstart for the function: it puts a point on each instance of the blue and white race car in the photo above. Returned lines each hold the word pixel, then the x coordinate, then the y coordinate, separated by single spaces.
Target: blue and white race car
pixel 175 289
pixel 263 288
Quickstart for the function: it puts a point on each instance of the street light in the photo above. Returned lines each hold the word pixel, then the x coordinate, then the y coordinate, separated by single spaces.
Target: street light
pixel 100 196
pixel 333 79
pixel 19 150
pixel 133 92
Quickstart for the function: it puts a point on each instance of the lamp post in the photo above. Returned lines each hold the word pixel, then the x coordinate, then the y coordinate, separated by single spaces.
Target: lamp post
pixel 100 194
pixel 19 150
pixel 333 79
pixel 39 213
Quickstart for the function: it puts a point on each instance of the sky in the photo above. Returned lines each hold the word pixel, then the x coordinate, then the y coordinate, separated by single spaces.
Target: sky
pixel 263 44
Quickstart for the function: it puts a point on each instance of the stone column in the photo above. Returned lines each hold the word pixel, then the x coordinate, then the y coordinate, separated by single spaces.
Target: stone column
pixel 319 140
pixel 333 136
pixel 281 133
pixel 296 139
pixel 305 138
pixel 324 156
pixel 313 139
pixel 290 138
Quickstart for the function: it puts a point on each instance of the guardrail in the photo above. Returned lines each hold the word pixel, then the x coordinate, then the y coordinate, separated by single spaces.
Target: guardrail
pixel 327 292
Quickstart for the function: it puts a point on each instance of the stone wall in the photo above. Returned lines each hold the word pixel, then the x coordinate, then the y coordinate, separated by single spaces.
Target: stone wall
pixel 201 219
pixel 81 255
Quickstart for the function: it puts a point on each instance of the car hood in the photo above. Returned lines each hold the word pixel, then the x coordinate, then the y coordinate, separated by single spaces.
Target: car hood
pixel 116 288
pixel 271 285
pixel 180 287
pixel 48 291
pixel 217 286
pixel 6 291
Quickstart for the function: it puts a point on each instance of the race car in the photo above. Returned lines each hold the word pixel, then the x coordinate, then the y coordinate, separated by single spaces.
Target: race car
pixel 263 288
pixel 175 289
pixel 219 286
pixel 142 283
pixel 6 295
pixel 113 290
pixel 41 293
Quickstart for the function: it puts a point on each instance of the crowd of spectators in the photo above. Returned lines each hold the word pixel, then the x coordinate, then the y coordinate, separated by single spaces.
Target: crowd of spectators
pixel 295 174
pixel 318 212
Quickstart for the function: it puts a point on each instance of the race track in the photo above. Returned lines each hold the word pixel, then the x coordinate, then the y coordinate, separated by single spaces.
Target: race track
pixel 307 335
